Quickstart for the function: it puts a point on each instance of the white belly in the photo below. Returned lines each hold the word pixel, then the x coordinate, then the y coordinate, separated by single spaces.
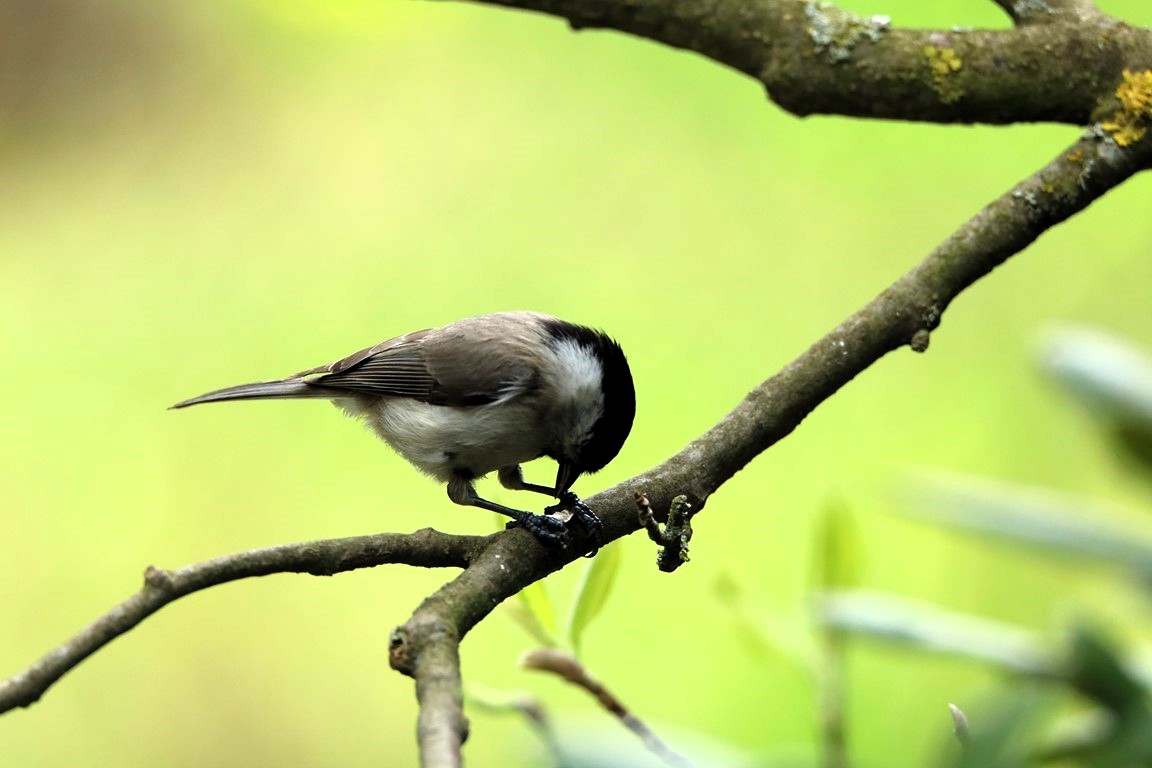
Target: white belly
pixel 443 441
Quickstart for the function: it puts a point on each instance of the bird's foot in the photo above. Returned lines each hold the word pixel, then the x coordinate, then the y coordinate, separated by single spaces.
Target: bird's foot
pixel 583 515
pixel 547 529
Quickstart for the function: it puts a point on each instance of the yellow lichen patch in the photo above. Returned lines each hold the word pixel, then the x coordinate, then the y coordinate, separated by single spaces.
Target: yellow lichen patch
pixel 1130 123
pixel 1124 130
pixel 1135 93
pixel 944 63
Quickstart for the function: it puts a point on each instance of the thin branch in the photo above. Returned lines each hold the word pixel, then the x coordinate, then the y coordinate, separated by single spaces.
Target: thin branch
pixel 814 58
pixel 568 668
pixel 527 706
pixel 902 314
pixel 832 695
pixel 426 548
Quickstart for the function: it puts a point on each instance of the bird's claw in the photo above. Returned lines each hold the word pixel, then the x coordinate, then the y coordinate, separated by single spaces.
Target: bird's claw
pixel 547 529
pixel 582 514
pixel 552 530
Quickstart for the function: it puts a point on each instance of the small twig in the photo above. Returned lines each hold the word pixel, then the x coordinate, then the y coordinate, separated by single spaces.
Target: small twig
pixel 427 548
pixel 526 706
pixel 673 537
pixel 570 669
pixel 833 730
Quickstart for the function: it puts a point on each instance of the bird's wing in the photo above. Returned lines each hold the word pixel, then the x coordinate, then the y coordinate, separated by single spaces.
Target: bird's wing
pixel 392 368
pixel 434 366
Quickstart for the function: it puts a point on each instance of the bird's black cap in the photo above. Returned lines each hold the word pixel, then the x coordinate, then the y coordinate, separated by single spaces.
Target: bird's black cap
pixel 615 423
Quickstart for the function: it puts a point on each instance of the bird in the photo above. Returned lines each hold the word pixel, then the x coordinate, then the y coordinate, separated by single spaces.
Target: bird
pixel 480 395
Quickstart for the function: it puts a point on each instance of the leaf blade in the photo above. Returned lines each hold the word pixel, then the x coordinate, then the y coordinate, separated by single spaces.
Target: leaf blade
pixel 592 592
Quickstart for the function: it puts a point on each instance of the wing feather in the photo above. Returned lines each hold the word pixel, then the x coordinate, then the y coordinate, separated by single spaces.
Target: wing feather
pixel 456 365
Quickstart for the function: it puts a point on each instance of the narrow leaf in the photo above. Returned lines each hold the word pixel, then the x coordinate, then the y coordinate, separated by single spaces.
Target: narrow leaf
pixel 1113 379
pixel 1109 375
pixel 924 627
pixel 767 635
pixel 592 592
pixel 1042 520
pixel 538 604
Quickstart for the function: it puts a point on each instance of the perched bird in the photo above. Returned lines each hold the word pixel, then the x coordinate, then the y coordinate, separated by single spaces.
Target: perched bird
pixel 479 395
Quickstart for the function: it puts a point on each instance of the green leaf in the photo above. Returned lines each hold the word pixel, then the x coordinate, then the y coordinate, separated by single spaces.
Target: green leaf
pixel 1042 520
pixel 592 592
pixel 772 636
pixel 839 551
pixel 1112 378
pixel 924 627
pixel 1097 670
pixel 1109 375
pixel 534 613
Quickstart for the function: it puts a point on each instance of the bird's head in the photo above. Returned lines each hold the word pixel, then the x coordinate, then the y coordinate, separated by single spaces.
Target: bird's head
pixel 596 400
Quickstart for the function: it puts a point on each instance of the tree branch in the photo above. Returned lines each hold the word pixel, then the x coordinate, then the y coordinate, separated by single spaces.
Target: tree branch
pixel 1060 63
pixel 497 567
pixel 814 58
pixel 426 548
pixel 904 313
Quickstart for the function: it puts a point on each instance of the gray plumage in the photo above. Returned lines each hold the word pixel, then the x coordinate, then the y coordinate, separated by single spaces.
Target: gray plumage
pixel 479 395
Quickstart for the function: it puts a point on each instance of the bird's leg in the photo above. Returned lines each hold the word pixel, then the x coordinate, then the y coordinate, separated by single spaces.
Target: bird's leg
pixel 550 530
pixel 512 478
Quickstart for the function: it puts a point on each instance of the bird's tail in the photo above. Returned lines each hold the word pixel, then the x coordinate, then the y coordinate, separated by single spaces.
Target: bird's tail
pixel 264 390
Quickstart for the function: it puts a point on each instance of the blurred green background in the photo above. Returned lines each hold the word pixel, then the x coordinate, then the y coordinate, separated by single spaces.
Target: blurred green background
pixel 203 194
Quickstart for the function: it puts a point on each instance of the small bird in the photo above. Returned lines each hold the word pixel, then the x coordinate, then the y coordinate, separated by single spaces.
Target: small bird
pixel 479 395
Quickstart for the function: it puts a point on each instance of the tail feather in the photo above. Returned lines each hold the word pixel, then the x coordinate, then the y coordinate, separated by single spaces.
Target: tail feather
pixel 264 390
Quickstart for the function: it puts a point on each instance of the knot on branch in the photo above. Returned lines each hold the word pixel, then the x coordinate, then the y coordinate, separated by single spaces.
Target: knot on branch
pixel 408 643
pixel 159 579
pixel 673 536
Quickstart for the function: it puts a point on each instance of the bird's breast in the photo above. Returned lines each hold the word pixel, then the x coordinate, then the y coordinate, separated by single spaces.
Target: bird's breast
pixel 444 441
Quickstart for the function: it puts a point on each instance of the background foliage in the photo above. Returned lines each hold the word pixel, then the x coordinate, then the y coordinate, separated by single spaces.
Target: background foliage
pixel 201 195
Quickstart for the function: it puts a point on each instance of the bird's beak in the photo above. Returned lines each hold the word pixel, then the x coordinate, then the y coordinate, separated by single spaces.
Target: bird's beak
pixel 566 474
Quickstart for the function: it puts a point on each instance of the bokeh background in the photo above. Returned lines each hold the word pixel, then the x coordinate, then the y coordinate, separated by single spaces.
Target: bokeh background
pixel 199 194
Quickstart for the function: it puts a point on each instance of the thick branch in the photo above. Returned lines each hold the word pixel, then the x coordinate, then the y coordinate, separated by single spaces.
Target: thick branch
pixel 814 58
pixel 426 548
